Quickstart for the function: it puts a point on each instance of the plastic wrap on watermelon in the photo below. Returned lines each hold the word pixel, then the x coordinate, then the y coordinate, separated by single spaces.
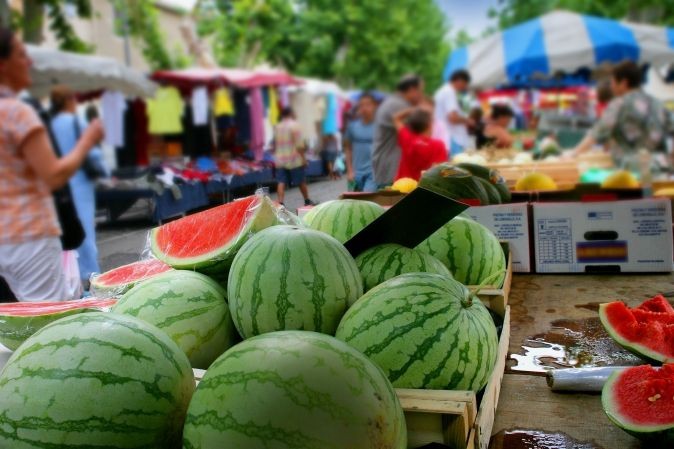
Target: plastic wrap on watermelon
pixel 20 320
pixel 117 281
pixel 208 241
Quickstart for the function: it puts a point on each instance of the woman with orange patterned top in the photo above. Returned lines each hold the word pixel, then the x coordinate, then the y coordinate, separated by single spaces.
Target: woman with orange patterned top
pixel 30 248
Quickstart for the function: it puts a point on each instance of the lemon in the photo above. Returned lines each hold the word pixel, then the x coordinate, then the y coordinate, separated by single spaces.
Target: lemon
pixel 535 181
pixel 404 185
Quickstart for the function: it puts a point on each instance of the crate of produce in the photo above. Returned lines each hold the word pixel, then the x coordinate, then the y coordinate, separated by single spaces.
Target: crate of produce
pixel 496 298
pixel 459 419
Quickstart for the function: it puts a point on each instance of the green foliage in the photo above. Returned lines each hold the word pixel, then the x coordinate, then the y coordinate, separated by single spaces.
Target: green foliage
pixel 366 44
pixel 32 20
pixel 655 11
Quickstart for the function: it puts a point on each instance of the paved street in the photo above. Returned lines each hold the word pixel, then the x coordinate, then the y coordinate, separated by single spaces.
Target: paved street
pixel 125 242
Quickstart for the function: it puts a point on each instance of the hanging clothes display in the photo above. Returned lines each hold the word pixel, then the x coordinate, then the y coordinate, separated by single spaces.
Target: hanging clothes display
pixel 165 112
pixel 126 153
pixel 273 112
pixel 257 139
pixel 113 106
pixel 305 108
pixel 199 103
pixel 222 102
pixel 140 136
pixel 197 140
pixel 242 117
pixel 330 122
pixel 284 97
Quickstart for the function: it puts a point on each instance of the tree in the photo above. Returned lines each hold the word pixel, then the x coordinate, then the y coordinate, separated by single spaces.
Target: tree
pixel 366 44
pixel 33 18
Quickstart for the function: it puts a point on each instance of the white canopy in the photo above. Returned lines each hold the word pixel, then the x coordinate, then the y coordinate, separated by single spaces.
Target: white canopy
pixel 319 87
pixel 84 73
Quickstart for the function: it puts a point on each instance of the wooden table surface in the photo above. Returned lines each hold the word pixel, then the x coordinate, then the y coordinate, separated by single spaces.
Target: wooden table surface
pixel 536 300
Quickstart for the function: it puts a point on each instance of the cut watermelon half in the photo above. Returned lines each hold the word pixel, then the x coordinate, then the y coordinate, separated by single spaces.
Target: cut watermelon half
pixel 119 280
pixel 211 238
pixel 640 400
pixel 20 320
pixel 647 330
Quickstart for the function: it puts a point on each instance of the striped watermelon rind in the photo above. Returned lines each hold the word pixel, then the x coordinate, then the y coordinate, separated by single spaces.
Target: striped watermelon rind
pixel 119 280
pixel 287 278
pixel 294 389
pixel 342 219
pixel 258 213
pixel 18 321
pixel 95 380
pixel 471 251
pixel 453 182
pixel 424 331
pixel 190 307
pixel 383 262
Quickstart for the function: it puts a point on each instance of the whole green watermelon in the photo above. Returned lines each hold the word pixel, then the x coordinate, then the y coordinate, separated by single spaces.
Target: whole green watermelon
pixel 190 307
pixel 95 380
pixel 489 174
pixel 425 331
pixel 291 390
pixel 383 262
pixel 342 219
pixel 287 278
pixel 454 182
pixel 471 252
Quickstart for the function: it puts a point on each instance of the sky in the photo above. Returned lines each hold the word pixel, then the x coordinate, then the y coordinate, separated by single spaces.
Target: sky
pixel 471 15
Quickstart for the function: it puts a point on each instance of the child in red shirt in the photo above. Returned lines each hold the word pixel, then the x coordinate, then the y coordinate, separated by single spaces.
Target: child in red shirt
pixel 419 151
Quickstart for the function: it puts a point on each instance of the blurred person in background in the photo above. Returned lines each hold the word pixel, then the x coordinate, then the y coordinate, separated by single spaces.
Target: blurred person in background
pixel 632 121
pixel 67 128
pixel 30 248
pixel 358 141
pixel 452 108
pixel 385 149
pixel 496 133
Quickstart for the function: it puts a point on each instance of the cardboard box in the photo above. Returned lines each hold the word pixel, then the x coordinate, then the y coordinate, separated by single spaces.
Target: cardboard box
pixel 619 236
pixel 510 223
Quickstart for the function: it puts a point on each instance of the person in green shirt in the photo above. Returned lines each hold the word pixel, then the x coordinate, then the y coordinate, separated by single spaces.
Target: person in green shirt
pixel 632 121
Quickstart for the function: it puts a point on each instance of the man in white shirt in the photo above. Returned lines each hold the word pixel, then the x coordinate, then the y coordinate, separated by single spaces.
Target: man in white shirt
pixel 452 108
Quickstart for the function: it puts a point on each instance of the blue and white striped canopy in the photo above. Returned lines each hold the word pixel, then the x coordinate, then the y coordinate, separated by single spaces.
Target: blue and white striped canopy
pixel 560 41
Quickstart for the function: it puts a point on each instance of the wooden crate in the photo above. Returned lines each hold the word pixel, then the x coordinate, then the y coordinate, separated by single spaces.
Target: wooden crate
pixel 494 297
pixel 564 173
pixel 451 417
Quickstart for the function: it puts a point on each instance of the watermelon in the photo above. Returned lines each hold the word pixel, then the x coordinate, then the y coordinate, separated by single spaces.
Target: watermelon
pixel 489 174
pixel 471 252
pixel 647 330
pixel 384 262
pixel 291 390
pixel 425 331
pixel 190 307
pixel 454 182
pixel 119 280
pixel 287 278
pixel 18 321
pixel 208 241
pixel 493 195
pixel 342 219
pixel 640 400
pixel 95 380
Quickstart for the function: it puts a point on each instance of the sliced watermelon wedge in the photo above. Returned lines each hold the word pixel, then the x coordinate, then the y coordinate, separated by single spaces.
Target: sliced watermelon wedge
pixel 117 281
pixel 647 330
pixel 210 239
pixel 640 400
pixel 20 320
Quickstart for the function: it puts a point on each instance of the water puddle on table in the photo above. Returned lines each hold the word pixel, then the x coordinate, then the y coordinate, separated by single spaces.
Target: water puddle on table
pixel 534 439
pixel 570 344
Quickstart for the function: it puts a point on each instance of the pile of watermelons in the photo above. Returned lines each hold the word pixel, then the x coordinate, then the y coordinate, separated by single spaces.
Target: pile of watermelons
pixel 467 182
pixel 303 344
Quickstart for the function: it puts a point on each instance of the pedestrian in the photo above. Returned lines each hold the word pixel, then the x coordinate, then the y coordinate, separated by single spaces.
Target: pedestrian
pixel 30 248
pixel 452 107
pixel 632 121
pixel 419 150
pixel 358 146
pixel 385 150
pixel 66 129
pixel 289 157
pixel 329 154
pixel 496 133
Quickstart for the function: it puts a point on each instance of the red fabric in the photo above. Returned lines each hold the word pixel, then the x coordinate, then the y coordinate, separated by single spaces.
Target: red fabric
pixel 141 136
pixel 418 153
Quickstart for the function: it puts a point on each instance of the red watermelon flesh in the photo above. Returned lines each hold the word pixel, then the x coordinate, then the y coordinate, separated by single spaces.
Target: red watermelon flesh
pixel 647 330
pixel 213 236
pixel 118 280
pixel 18 321
pixel 640 400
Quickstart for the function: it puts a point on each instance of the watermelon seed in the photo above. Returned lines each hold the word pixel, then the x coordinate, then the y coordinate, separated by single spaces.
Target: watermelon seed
pixel 654 398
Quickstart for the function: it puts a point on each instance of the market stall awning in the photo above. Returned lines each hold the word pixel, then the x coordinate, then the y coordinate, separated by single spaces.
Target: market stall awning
pixel 84 73
pixel 190 78
pixel 557 42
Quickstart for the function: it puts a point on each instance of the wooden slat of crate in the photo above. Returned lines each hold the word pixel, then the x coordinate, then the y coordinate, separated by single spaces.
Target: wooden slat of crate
pixel 497 298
